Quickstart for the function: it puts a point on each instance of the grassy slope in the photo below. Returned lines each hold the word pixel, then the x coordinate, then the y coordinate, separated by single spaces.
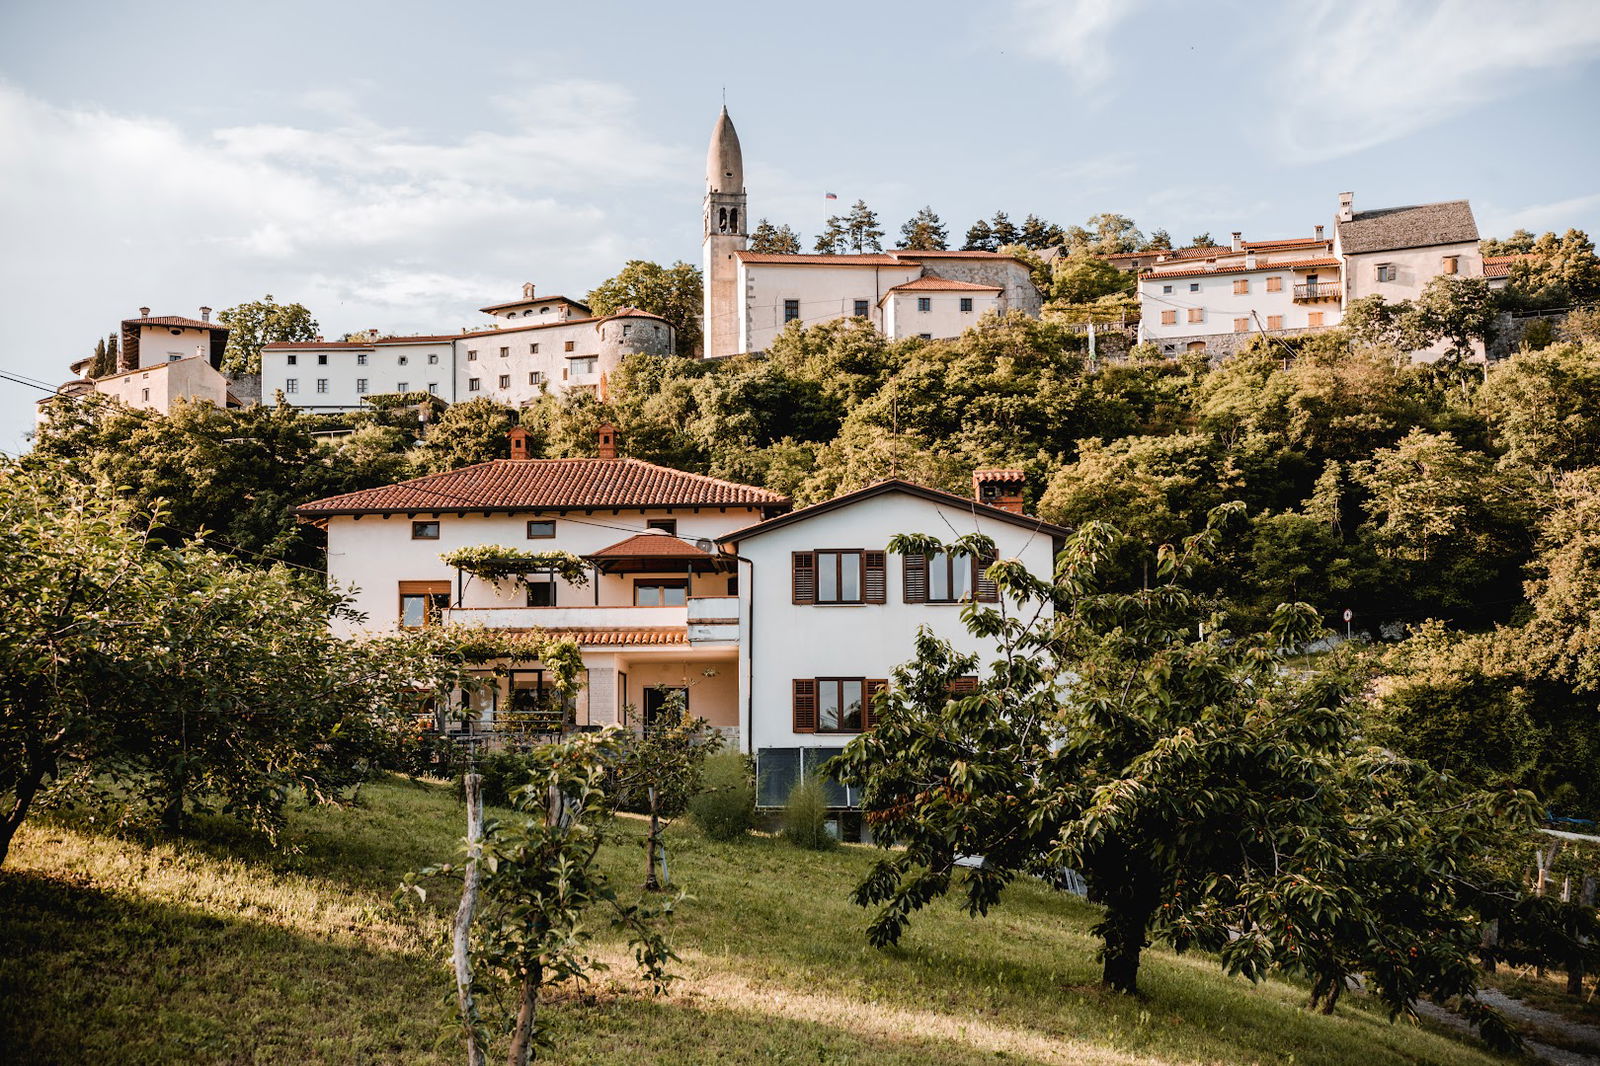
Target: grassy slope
pixel 218 951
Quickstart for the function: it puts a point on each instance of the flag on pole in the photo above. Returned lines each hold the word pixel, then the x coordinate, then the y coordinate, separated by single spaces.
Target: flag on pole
pixel 829 196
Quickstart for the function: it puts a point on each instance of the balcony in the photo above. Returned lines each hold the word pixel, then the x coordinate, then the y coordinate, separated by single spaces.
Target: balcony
pixel 713 620
pixel 1318 292
pixel 705 619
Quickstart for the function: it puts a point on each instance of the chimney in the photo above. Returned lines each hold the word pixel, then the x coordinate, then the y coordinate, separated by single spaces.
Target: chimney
pixel 1250 260
pixel 527 290
pixel 1238 240
pixel 205 314
pixel 519 443
pixel 607 437
pixel 1347 210
pixel 999 488
pixel 144 312
pixel 1319 234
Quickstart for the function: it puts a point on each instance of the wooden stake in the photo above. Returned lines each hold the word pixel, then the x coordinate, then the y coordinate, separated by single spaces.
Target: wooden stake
pixel 462 929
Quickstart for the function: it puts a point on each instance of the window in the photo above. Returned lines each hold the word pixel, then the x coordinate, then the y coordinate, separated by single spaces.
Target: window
pixel 1274 321
pixel 1241 286
pixel 1169 318
pixel 322 384
pixel 474 384
pixel 861 308
pixel 791 310
pixel 925 336
pixel 839 575
pixel 533 349
pixel 403 360
pixel 945 578
pixel 1386 272
pixel 1197 314
pixel 173 357
pixel 1314 318
pixel 291 385
pixel 1451 263
pixel 584 364
pixel 425 531
pixel 666 525
pixel 924 303
pixel 361 386
pixel 1241 325
pixel 966 304
pixel 656 592
pixel 950 577
pixel 421 603
pixel 1166 290
pixel 322 360
pixel 1194 286
pixel 433 388
pixel 541 588
pixel 571 345
pixel 402 386
pixel 1275 284
pixel 535 377
pixel 291 359
pixel 626 329
pixel 505 352
pixel 541 529
pixel 144 394
pixel 505 381
pixel 1196 346
pixel 839 701
pixel 472 355
pixel 433 358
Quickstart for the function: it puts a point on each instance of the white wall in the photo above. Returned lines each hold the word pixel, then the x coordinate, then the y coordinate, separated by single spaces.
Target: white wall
pixel 780 641
pixel 160 344
pixel 373 553
pixel 826 293
pixel 1220 305
pixel 542 349
pixel 160 385
pixel 1414 268
pixel 944 317
pixel 384 368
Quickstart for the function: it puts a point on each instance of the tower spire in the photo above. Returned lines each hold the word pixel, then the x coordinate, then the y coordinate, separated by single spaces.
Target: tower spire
pixel 726 229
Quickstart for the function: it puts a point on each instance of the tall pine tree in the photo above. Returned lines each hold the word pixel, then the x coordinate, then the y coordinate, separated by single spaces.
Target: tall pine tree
pixel 1004 232
pixel 862 232
pixel 980 238
pixel 774 240
pixel 924 231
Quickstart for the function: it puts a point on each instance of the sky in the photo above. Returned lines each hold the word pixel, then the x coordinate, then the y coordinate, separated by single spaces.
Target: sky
pixel 398 165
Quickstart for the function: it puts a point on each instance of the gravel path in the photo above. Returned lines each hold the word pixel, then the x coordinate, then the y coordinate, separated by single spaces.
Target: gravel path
pixel 1541 1022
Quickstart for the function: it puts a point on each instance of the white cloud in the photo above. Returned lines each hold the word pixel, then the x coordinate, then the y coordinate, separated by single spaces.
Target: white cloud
pixel 367 225
pixel 1497 221
pixel 1365 72
pixel 1073 33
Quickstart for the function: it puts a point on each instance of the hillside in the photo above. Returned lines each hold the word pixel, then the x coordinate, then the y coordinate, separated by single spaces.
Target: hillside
pixel 218 950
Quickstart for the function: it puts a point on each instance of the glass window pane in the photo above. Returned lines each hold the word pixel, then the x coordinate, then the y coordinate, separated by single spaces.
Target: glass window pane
pixel 828 705
pixel 849 578
pixel 412 610
pixel 647 595
pixel 828 576
pixel 938 577
pixel 960 576
pixel 850 711
pixel 674 596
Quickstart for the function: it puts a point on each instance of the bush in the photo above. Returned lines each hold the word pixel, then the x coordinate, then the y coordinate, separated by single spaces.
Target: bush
pixel 501 771
pixel 805 816
pixel 725 809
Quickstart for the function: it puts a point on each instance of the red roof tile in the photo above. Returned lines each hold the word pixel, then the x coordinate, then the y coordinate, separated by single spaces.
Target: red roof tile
pixel 1238 267
pixel 380 342
pixel 947 253
pixel 931 284
pixel 781 259
pixel 1499 266
pixel 174 320
pixel 534 302
pixel 998 474
pixel 548 485
pixel 650 546
pixel 626 312
pixel 612 636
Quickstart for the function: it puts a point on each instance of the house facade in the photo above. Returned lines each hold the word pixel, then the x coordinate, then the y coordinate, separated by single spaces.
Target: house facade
pixel 161 359
pixel 655 614
pixel 827 611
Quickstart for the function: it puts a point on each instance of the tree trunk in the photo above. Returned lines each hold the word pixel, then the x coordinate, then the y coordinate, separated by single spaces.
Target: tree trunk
pixel 27 787
pixel 651 884
pixel 177 791
pixel 1125 925
pixel 521 1051
pixel 462 929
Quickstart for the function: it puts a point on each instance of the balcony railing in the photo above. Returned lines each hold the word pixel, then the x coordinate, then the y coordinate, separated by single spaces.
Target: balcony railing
pixel 707 619
pixel 713 619
pixel 1317 291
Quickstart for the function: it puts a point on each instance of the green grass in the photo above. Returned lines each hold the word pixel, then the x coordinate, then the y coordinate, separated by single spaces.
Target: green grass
pixel 216 949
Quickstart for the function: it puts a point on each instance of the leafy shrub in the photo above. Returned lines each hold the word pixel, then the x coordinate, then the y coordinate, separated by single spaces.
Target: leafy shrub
pixel 725 809
pixel 805 816
pixel 502 772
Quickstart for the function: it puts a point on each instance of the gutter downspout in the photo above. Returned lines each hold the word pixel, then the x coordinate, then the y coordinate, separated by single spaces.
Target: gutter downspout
pixel 748 649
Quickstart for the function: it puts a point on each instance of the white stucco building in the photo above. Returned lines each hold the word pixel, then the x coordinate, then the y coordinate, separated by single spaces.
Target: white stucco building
pixel 750 297
pixel 333 376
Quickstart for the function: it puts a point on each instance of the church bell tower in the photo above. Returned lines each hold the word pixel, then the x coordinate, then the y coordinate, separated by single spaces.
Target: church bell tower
pixel 726 229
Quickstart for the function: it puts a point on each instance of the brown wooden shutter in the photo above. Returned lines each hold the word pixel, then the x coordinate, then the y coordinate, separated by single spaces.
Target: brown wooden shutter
pixel 805 705
pixel 914 578
pixel 984 590
pixel 962 686
pixel 875 585
pixel 805 577
pixel 873 687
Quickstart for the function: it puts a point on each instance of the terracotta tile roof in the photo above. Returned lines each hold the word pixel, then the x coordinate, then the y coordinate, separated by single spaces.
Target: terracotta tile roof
pixel 174 320
pixel 1392 228
pixel 1499 266
pixel 650 546
pixel 1286 242
pixel 535 302
pixel 997 474
pixel 613 636
pixel 932 284
pixel 780 259
pixel 380 342
pixel 1238 267
pixel 626 312
pixel 946 253
pixel 889 485
pixel 548 485
pixel 1169 253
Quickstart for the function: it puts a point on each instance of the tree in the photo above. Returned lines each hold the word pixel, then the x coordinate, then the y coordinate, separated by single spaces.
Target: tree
pixel 980 238
pixel 257 323
pixel 1159 242
pixel 1203 241
pixel 661 770
pixel 674 293
pixel 533 887
pixel 833 240
pixel 1003 230
pixel 473 431
pixel 104 362
pixel 1105 234
pixel 1459 310
pixel 1083 277
pixel 923 231
pixel 774 240
pixel 1543 408
pixel 1518 243
pixel 1038 234
pixel 1203 791
pixel 1557 272
pixel 861 230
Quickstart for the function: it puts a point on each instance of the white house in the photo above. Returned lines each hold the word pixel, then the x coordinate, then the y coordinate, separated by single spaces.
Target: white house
pixel 750 297
pixel 827 612
pixel 1218 302
pixel 657 614
pixel 333 376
